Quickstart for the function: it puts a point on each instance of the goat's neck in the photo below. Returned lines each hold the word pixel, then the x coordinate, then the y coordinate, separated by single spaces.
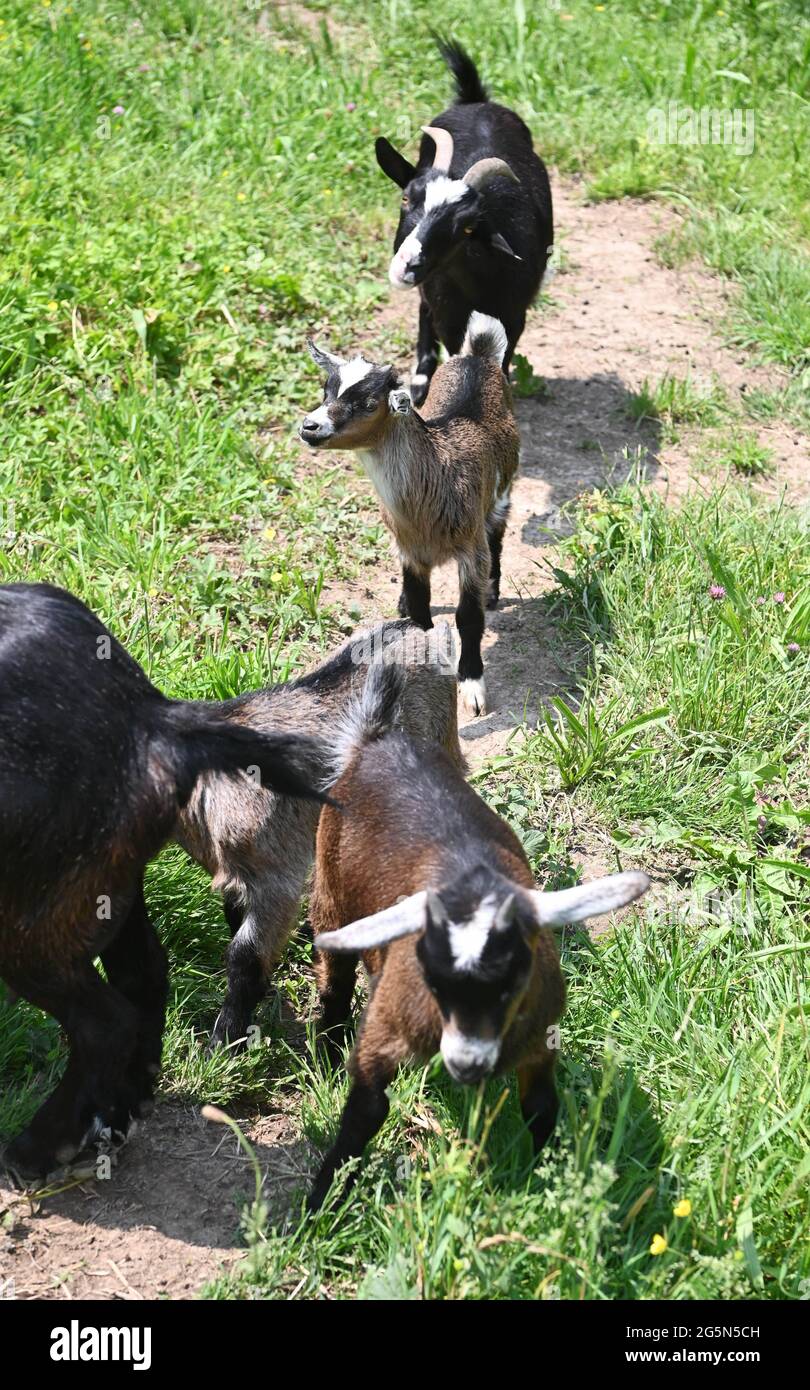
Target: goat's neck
pixel 397 458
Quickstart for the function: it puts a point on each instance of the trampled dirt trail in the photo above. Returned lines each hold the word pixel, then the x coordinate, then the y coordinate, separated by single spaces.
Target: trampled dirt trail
pixel 168 1219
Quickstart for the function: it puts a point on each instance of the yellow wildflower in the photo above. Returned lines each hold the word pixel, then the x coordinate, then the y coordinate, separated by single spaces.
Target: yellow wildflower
pixel 659 1245
pixel 682 1208
pixel 52 306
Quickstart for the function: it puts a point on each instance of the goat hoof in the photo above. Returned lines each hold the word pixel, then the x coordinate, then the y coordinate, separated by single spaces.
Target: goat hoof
pixel 473 696
pixel 228 1033
pixel 29 1160
pixel 419 389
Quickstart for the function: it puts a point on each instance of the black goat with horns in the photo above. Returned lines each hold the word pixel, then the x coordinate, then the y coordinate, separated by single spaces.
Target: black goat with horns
pixel 475 230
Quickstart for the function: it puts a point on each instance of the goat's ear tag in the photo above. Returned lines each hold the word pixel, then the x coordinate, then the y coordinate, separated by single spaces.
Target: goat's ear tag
pixel 501 244
pixel 399 401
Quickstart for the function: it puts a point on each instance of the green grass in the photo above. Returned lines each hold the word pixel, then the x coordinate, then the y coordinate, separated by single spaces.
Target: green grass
pixel 162 268
pixel 677 401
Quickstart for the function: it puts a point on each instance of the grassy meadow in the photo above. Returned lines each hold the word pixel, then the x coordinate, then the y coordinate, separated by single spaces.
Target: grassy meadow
pixel 188 191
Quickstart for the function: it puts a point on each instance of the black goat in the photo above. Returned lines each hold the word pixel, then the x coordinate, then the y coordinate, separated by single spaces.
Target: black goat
pixel 475 230
pixel 94 765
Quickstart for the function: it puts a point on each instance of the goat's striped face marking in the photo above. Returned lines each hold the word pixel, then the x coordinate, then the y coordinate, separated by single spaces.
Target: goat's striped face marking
pixel 439 216
pixel 355 403
pixel 476 959
pixel 468 939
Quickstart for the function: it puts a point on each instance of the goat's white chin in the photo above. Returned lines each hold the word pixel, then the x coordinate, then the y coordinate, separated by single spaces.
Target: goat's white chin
pixel 399 278
pixel 468 1058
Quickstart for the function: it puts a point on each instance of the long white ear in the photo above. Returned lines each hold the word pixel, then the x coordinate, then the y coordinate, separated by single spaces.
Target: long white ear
pixel 589 899
pixel 404 918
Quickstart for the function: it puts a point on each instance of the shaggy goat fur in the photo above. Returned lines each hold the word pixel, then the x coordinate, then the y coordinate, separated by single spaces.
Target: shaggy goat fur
pixel 444 481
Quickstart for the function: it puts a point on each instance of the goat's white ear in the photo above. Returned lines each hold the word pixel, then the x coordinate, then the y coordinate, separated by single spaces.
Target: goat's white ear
pixel 322 358
pixel 399 401
pixel 589 899
pixel 404 918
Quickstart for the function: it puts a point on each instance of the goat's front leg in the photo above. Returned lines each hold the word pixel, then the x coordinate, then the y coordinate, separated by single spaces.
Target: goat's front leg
pixel 414 601
pixel 473 570
pixel 364 1114
pixel 336 975
pixel 427 355
pixel 260 929
pixel 538 1099
pixel 372 1066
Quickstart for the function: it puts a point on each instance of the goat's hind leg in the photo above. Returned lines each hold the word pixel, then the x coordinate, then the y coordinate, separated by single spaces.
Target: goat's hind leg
pixel 473 570
pixel 96 1091
pixel 538 1099
pixel 414 601
pixel 496 526
pixel 260 926
pixel 336 975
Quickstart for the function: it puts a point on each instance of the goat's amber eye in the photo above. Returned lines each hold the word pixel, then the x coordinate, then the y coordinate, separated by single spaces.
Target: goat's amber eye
pixel 468 231
pixel 406 202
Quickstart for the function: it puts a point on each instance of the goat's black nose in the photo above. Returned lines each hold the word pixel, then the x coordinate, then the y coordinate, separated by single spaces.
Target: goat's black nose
pixel 313 430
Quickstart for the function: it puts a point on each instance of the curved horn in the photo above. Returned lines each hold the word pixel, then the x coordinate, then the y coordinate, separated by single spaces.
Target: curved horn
pixel 404 918
pixel 443 141
pixel 483 171
pixel 589 899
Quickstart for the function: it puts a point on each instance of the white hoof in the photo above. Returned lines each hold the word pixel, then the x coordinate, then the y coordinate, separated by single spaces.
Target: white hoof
pixel 473 696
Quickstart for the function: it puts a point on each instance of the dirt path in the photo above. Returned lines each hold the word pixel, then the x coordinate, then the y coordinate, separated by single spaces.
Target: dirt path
pixel 168 1220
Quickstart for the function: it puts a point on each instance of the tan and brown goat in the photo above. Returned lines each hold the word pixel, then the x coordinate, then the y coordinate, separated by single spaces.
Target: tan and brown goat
pixel 418 876
pixel 443 480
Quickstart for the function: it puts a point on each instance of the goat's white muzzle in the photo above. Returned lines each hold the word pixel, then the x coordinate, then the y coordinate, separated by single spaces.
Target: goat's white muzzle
pixel 316 428
pixel 468 1058
pixel 404 267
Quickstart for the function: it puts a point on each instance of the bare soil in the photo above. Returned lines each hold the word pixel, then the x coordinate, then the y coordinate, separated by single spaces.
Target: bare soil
pixel 167 1221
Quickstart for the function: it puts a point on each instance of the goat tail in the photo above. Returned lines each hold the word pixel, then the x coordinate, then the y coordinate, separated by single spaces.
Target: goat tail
pixel 485 337
pixel 191 739
pixel 372 713
pixel 469 86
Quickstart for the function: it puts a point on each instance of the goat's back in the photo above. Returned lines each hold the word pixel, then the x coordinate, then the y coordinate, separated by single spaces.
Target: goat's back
pixel 406 813
pixel 237 828
pixel 76 714
pixel 470 418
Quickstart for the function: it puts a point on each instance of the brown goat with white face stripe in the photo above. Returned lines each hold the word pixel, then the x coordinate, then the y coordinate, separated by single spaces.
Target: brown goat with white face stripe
pixel 443 481
pixel 259 846
pixel 418 876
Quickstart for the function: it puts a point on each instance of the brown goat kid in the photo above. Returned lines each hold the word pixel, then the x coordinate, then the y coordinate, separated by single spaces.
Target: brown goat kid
pixel 258 846
pixel 441 904
pixel 444 481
